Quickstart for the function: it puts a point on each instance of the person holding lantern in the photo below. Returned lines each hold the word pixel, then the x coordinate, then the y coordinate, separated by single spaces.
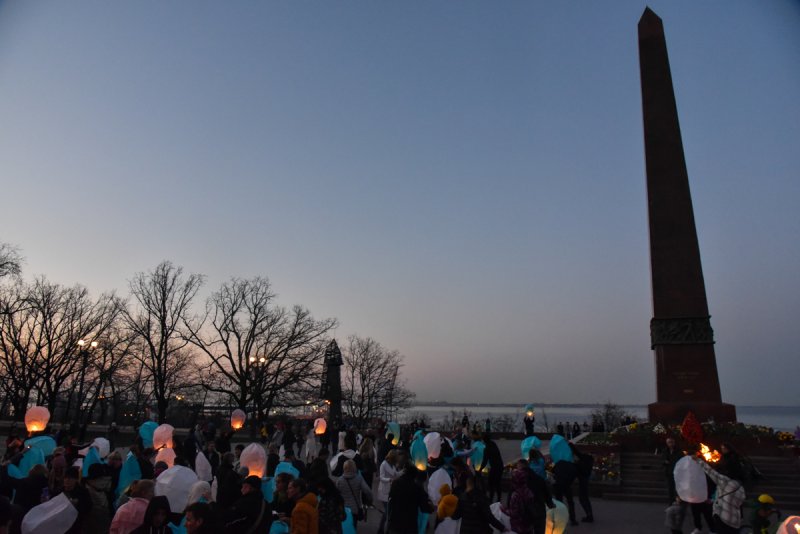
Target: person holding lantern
pixel 407 499
pixel 726 507
pixel 251 510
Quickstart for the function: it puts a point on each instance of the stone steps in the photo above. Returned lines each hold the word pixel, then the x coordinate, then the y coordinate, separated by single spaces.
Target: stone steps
pixel 643 480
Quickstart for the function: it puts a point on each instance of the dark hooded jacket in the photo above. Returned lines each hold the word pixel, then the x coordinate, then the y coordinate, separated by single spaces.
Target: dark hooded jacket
pixel 156 503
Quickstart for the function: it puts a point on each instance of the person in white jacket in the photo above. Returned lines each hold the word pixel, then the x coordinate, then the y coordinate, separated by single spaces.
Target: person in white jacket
pixel 387 473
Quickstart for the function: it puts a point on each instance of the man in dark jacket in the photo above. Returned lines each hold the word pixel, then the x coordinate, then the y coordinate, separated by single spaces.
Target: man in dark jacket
pixel 493 459
pixel 670 457
pixel 585 463
pixel 474 513
pixel 251 511
pixel 406 499
pixel 565 473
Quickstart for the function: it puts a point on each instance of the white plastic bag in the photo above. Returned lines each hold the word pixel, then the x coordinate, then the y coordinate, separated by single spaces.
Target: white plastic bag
pixel 690 481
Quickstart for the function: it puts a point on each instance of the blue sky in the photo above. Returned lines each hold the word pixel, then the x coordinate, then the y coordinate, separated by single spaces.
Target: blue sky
pixel 462 181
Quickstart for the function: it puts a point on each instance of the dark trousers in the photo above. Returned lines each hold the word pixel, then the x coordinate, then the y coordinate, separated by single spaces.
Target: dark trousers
pixel 583 496
pixel 494 485
pixel 722 528
pixel 563 492
pixel 702 509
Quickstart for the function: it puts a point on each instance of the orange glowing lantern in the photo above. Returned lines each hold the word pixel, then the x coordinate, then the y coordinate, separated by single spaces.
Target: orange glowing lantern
pixel 709 455
pixel 237 419
pixel 166 455
pixel 254 458
pixel 36 418
pixel 320 426
pixel 162 436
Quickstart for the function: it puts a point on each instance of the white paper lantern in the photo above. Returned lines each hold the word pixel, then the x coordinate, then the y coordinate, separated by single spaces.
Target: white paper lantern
pixel 36 418
pixel 202 467
pixel 320 426
pixel 102 445
pixel 238 418
pixel 55 516
pixel 162 436
pixel 167 456
pixel 435 482
pixel 433 441
pixel 690 480
pixel 175 483
pixel 254 458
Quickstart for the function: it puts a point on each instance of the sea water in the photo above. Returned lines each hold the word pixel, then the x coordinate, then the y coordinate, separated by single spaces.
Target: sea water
pixel 785 418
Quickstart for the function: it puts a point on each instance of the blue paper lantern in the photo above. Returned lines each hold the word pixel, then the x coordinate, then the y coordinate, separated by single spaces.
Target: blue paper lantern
pixel 130 471
pixel 531 442
pixel 393 429
pixel 559 449
pixel 46 444
pixel 477 454
pixel 419 453
pixel 146 432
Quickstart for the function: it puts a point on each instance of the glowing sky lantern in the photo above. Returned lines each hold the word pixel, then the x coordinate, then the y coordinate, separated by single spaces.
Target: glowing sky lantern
pixel 237 419
pixel 166 455
pixel 162 437
pixel 320 426
pixel 36 418
pixel 254 459
pixel 433 442
pixel 419 453
pixel 529 411
pixel 393 429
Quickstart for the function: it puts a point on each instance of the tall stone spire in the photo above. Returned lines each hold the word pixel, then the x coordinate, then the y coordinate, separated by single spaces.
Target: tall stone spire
pixel 680 331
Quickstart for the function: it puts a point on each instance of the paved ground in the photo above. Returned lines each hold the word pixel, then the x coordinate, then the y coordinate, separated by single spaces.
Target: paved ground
pixel 611 517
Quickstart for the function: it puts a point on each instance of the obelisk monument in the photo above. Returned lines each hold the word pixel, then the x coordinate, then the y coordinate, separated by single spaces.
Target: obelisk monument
pixel 680 331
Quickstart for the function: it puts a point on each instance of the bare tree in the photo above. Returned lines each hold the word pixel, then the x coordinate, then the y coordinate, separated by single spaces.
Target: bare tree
pixel 163 299
pixel 372 386
pixel 10 260
pixel 259 353
pixel 39 338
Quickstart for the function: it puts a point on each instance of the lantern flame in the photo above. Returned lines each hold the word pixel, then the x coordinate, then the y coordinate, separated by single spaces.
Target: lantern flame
pixel 530 413
pixel 708 454
pixel 421 466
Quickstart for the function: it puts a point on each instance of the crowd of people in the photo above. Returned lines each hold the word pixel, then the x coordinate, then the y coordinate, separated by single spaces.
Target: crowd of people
pixel 313 484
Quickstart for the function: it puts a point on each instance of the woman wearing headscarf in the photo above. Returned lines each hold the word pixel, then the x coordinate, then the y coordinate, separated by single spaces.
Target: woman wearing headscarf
pixel 131 514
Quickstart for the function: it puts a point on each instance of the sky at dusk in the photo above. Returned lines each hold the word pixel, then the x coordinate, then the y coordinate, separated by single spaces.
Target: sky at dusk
pixel 462 181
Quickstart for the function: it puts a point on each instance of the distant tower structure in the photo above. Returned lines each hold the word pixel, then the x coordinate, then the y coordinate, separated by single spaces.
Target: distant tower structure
pixel 331 389
pixel 680 331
